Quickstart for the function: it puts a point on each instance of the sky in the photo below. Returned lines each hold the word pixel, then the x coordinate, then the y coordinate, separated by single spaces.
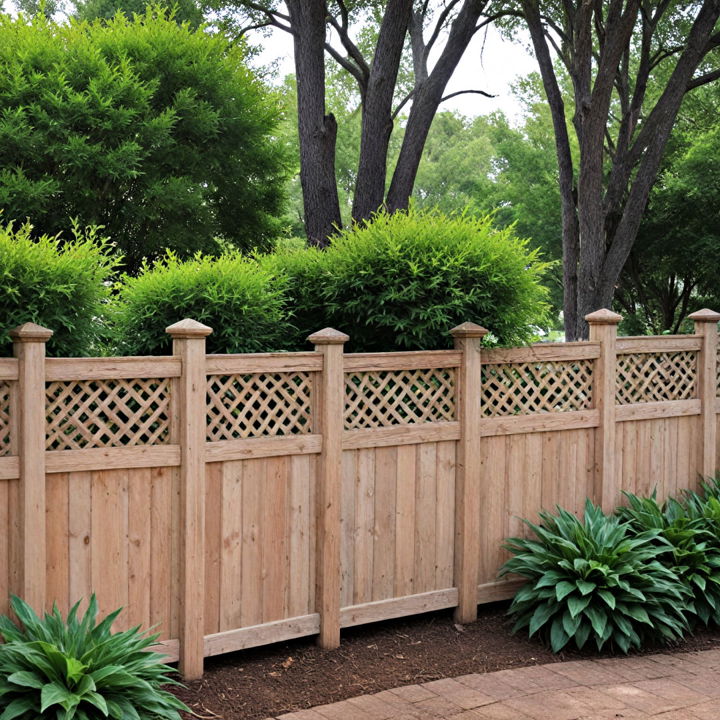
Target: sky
pixel 491 63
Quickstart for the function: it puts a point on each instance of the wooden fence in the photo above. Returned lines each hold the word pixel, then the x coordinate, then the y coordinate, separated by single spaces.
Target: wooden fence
pixel 238 500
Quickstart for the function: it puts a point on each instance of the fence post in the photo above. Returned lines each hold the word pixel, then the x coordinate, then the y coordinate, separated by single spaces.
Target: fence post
pixel 706 324
pixel 328 420
pixel 29 349
pixel 603 329
pixel 468 487
pixel 189 429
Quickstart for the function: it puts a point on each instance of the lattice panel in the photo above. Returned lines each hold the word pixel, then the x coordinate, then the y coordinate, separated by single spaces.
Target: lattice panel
pixel 399 397
pixel 107 413
pixel 655 377
pixel 4 419
pixel 257 405
pixel 536 387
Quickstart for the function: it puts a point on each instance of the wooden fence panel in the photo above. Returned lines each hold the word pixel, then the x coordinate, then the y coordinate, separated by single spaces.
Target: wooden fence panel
pixel 260 535
pixel 397 521
pixel 114 533
pixel 526 473
pixel 661 455
pixel 314 491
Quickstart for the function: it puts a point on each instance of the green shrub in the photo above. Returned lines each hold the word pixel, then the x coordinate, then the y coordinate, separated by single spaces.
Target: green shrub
pixel 688 547
pixel 241 301
pixel 56 285
pixel 404 280
pixel 595 579
pixel 162 135
pixel 75 668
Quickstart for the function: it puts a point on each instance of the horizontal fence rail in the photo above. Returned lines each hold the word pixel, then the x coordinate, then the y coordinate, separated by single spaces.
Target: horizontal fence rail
pixel 239 500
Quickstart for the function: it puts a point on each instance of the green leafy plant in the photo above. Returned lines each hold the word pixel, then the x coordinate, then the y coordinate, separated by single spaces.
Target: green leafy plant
pixel 58 285
pixel 401 281
pixel 241 301
pixel 688 547
pixel 77 668
pixel 595 579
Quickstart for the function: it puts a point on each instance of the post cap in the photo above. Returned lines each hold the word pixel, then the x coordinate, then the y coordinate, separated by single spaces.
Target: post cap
pixel 187 329
pixel 328 336
pixel 705 315
pixel 30 332
pixel 469 330
pixel 604 317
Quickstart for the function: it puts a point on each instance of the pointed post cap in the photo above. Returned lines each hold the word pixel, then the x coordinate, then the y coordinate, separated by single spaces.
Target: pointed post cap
pixel 705 315
pixel 604 317
pixel 328 336
pixel 188 329
pixel 30 332
pixel 469 330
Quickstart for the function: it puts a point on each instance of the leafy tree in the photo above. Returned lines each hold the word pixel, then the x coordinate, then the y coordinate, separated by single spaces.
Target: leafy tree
pixel 630 64
pixel 161 135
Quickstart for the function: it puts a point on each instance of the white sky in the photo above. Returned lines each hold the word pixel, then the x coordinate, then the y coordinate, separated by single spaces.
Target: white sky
pixel 491 63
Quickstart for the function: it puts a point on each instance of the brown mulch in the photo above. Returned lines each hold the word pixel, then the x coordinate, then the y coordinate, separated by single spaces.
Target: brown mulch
pixel 262 682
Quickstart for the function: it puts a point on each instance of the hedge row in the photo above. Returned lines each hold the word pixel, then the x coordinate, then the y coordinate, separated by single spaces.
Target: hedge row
pixel 400 282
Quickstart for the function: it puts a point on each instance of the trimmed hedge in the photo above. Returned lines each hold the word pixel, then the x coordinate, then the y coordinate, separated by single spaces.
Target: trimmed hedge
pixel 243 303
pixel 402 281
pixel 61 286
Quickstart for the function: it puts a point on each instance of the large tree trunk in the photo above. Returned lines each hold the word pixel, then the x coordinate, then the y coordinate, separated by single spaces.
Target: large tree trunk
pixel 317 131
pixel 377 122
pixel 426 99
pixel 570 225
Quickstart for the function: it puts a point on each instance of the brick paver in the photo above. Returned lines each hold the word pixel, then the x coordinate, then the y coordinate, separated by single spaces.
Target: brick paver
pixel 684 686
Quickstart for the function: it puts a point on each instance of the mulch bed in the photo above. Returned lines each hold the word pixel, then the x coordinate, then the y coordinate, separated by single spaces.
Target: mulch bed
pixel 262 682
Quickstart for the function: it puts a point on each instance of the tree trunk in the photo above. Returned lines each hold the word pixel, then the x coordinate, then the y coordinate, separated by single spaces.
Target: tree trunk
pixel 377 122
pixel 317 131
pixel 427 97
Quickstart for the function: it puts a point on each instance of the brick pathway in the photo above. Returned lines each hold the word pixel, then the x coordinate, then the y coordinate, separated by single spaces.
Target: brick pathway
pixel 684 686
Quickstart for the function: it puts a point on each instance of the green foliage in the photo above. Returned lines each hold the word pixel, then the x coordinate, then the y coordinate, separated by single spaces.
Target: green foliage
pixel 240 300
pixel 161 135
pixel 595 579
pixel 77 668
pixel 403 281
pixel 181 11
pixel 688 546
pixel 60 286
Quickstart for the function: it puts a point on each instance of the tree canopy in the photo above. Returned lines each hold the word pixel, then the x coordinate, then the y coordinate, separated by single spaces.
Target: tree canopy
pixel 160 134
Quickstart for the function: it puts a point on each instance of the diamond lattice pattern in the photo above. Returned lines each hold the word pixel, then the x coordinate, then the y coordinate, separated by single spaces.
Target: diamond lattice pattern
pixel 655 377
pixel 4 419
pixel 535 387
pixel 399 397
pixel 107 413
pixel 259 404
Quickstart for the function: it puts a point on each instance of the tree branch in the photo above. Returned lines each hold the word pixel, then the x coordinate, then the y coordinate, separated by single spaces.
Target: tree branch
pixel 703 80
pixel 439 26
pixel 467 92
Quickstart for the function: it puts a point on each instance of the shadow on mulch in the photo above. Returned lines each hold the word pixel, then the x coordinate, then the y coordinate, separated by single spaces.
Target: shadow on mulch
pixel 275 679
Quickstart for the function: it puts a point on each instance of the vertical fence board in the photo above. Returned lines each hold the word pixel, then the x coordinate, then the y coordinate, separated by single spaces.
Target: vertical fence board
pixel 445 515
pixel 214 546
pixel 425 527
pixel 406 575
pixel 384 535
pixel 227 520
pixel 57 533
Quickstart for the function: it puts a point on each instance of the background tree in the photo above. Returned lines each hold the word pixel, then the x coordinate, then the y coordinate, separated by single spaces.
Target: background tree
pixel 181 11
pixel 161 135
pixel 402 31
pixel 630 63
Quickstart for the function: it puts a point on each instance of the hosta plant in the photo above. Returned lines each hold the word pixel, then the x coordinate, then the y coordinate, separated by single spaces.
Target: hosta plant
pixel 77 668
pixel 594 580
pixel 689 546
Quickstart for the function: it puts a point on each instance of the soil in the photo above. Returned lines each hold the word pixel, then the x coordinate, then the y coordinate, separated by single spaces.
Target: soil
pixel 275 679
